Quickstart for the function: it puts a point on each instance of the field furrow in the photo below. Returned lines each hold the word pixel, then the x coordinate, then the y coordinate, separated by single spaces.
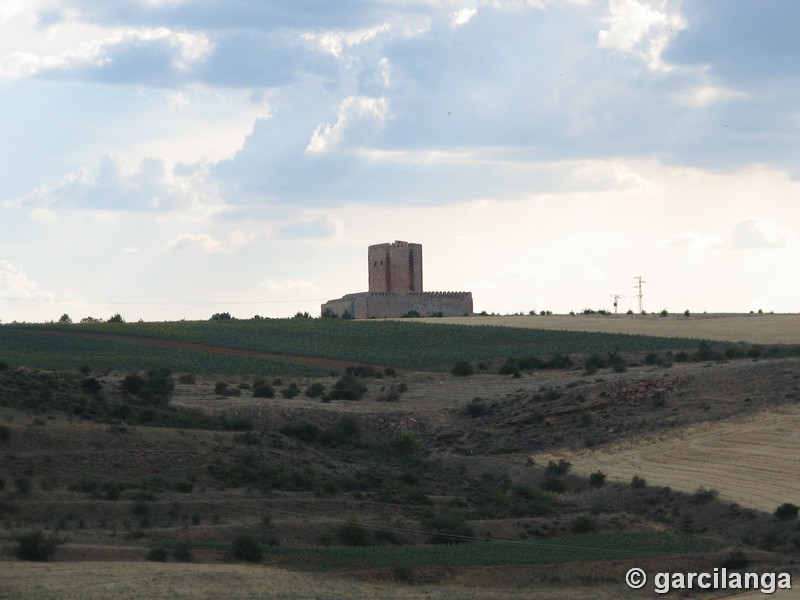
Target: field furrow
pixel 754 462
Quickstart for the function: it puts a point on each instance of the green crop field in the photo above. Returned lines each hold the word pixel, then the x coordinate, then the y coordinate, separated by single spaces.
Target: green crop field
pixel 573 548
pixel 400 344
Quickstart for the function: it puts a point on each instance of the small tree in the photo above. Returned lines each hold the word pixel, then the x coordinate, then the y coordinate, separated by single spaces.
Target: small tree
pixel 787 511
pixel 65 319
pixel 35 546
pixel 353 533
pixel 462 368
pixel 225 316
pixel 247 548
pixel 117 318
pixel 597 479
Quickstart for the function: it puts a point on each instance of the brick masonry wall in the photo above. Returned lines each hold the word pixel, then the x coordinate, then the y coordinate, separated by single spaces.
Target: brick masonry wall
pixel 389 305
pixel 395 267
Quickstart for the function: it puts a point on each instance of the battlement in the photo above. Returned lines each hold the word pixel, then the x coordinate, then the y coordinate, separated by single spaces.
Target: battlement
pixel 395 288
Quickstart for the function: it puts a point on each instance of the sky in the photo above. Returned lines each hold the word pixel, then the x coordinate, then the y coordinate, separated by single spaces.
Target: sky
pixel 171 159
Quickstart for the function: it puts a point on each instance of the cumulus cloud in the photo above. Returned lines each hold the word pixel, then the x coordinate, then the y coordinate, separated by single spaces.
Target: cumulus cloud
pixel 16 283
pixel 119 186
pixel 205 243
pixel 754 233
pixel 352 110
pixel 288 285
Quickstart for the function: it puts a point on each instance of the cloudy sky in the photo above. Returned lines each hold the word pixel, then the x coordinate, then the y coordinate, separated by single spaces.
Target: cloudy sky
pixel 169 159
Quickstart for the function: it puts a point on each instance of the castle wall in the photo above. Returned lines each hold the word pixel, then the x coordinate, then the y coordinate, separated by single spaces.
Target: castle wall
pixel 395 267
pixel 381 305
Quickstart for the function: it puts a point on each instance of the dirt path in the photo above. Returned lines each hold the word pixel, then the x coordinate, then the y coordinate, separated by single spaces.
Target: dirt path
pixel 753 461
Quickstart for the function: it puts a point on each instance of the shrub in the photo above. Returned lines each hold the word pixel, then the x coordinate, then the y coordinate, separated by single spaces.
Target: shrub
pixel 735 560
pixel 597 479
pixel 35 546
pixel 315 390
pixel 448 528
pixel 389 393
pixel 561 467
pixel 346 431
pixel 325 537
pixel 3 365
pixel 5 433
pixel 261 389
pixel 477 408
pixel 404 442
pixel 583 524
pixel 638 482
pixel 187 378
pixel 348 388
pixel 462 368
pixel 246 548
pixel 787 511
pixel 156 388
pixel 304 431
pixel 553 484
pixel 290 391
pixel 158 554
pixel 91 385
pixel 117 318
pixel 703 496
pixel 225 316
pixel 182 552
pixel 353 533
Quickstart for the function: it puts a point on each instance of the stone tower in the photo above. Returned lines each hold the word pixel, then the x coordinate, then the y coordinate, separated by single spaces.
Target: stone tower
pixel 395 267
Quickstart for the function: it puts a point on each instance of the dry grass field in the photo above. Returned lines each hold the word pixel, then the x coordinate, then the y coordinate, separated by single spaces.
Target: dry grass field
pixel 753 328
pixel 753 461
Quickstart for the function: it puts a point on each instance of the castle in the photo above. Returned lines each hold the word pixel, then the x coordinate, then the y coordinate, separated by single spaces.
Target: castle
pixel 395 288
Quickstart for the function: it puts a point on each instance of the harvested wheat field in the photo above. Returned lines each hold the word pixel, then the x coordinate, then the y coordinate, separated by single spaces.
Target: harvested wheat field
pixel 753 328
pixel 753 461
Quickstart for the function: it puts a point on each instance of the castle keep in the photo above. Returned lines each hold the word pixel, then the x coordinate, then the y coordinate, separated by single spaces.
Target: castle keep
pixel 395 288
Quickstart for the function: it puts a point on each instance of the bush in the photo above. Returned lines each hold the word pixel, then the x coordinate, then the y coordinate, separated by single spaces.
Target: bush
pixel 561 467
pixel 156 388
pixel 225 316
pixel 315 390
pixel 35 546
pixel 117 318
pixel 91 385
pixel 703 496
pixel 448 528
pixel 246 548
pixel 735 560
pixel 477 408
pixel 638 482
pixel 158 554
pixel 462 368
pixel 553 484
pixel 261 389
pixel 404 442
pixel 787 511
pixel 348 388
pixel 353 533
pixel 5 433
pixel 182 552
pixel 290 391
pixel 583 524
pixel 597 479
pixel 325 537
pixel 304 431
